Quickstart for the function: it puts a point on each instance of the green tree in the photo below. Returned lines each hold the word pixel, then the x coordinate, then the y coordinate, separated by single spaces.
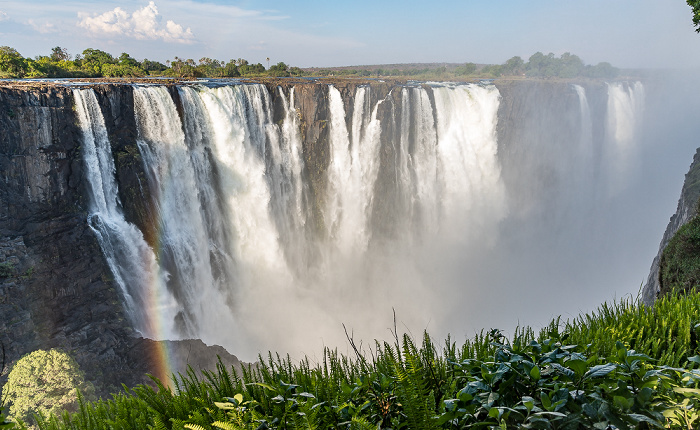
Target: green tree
pixel 279 70
pixel 126 60
pixel 211 67
pixel 44 382
pixel 153 66
pixel 93 60
pixel 601 70
pixel 96 56
pixel 181 68
pixel 467 69
pixel 695 5
pixel 59 54
pixel 231 70
pixel 514 66
pixel 12 64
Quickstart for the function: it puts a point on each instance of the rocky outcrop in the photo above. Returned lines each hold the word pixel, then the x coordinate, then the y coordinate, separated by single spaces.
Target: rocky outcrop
pixel 687 209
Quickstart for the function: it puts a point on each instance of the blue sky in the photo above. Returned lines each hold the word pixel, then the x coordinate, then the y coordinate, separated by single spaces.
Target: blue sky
pixel 627 33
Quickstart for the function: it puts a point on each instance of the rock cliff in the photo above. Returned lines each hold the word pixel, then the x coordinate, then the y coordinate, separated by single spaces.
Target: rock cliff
pixel 56 290
pixel 687 209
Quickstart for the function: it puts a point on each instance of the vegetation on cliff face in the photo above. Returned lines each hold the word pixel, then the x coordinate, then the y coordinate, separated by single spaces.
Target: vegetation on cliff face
pixel 679 268
pixel 679 265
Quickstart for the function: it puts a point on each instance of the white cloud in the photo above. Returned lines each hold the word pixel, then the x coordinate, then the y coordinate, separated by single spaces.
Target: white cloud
pixel 4 16
pixel 143 24
pixel 42 28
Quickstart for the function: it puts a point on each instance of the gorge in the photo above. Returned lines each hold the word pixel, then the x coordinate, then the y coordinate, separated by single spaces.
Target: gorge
pixel 264 216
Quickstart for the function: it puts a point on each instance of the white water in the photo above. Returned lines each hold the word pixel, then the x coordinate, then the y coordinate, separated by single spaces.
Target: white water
pixel 239 260
pixel 132 262
pixel 472 193
pixel 625 115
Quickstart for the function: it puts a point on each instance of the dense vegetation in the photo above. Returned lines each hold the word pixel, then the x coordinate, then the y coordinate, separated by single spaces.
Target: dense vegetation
pixel 44 382
pixel 538 65
pixel 93 63
pixel 679 266
pixel 625 365
pixel 695 5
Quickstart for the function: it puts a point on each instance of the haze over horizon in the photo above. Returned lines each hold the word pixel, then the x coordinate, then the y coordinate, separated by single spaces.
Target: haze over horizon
pixel 639 34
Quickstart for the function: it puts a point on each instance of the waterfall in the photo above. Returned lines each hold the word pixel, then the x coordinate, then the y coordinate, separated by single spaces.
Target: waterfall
pixel 352 172
pixel 625 113
pixel 133 263
pixel 411 210
pixel 470 181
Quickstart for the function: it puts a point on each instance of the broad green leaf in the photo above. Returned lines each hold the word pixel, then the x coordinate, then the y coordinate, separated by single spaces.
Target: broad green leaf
pixel 225 406
pixel 550 413
pixel 267 387
pixel 643 418
pixel 535 373
pixel 600 370
pixel 623 402
pixel 688 392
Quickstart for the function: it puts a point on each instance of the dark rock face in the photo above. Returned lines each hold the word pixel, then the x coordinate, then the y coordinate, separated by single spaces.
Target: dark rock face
pixel 60 293
pixel 533 114
pixel 687 209
pixel 56 290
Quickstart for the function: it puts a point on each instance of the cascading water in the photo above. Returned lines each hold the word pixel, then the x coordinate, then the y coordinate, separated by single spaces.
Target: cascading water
pixel 241 259
pixel 131 260
pixel 625 108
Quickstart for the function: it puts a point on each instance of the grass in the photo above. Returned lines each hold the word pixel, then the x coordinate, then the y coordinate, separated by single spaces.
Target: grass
pixel 625 364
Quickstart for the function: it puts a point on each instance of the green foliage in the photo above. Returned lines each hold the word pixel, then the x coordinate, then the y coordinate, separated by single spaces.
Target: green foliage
pixel 679 266
pixel 97 63
pixel 12 64
pixel 153 66
pixel 7 269
pixel 44 382
pixel 625 365
pixel 667 332
pixel 59 54
pixel 279 70
pixel 695 5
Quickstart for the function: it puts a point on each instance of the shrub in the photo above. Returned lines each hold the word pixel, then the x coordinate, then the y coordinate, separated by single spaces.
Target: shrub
pixel 44 382
pixel 7 269
pixel 679 268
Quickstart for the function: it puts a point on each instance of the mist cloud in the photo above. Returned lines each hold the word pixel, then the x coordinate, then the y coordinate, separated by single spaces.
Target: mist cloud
pixel 143 24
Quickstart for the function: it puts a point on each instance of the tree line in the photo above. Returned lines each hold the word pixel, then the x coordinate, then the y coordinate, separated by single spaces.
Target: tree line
pixel 94 63
pixel 538 65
